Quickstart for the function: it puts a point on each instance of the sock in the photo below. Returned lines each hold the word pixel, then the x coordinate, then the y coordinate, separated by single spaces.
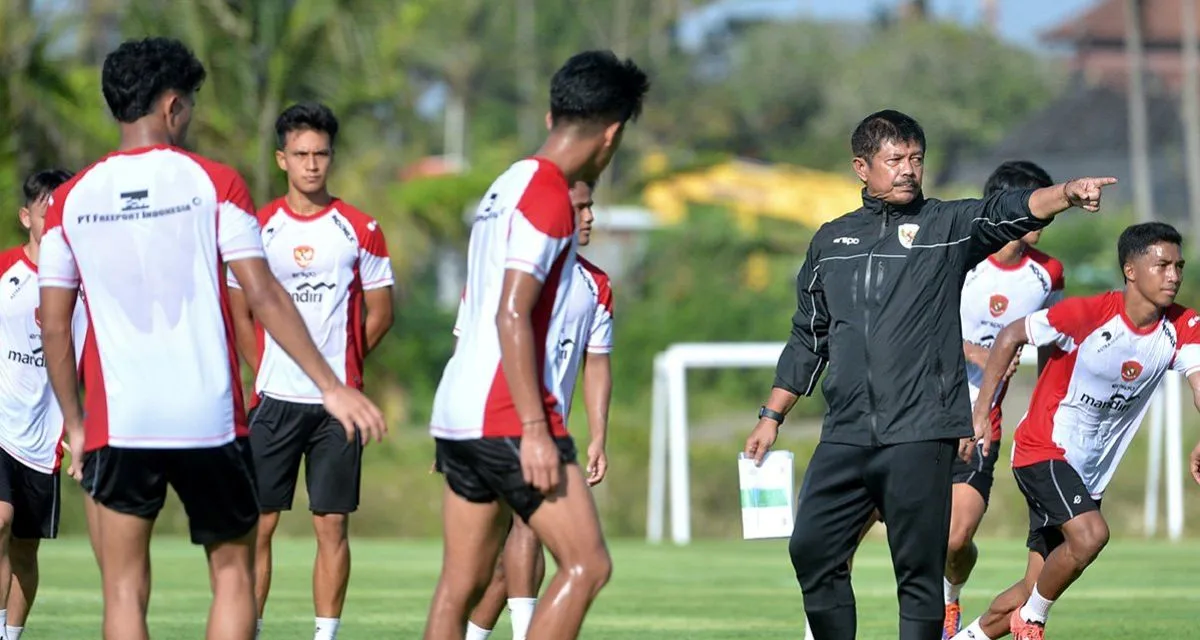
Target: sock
pixel 327 628
pixel 520 610
pixel 807 630
pixel 3 618
pixel 475 632
pixel 972 632
pixel 13 633
pixel 951 591
pixel 257 629
pixel 1037 608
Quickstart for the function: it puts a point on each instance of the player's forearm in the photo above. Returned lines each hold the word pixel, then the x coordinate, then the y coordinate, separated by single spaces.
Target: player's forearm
pixel 58 348
pixel 519 360
pixel 1047 202
pixel 278 315
pixel 975 354
pixel 243 328
pixel 379 321
pixel 1005 348
pixel 597 394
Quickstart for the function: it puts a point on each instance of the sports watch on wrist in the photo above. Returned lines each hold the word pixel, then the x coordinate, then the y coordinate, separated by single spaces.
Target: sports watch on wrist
pixel 764 412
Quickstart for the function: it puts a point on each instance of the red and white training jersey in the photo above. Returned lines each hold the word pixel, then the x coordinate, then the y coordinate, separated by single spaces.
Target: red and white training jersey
pixel 30 420
pixel 526 223
pixel 994 295
pixel 147 233
pixel 1094 391
pixel 326 261
pixel 589 322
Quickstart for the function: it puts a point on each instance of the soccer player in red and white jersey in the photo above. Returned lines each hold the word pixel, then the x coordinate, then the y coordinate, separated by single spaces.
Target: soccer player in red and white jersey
pixel 334 262
pixel 30 420
pixel 586 341
pixel 499 417
pixel 1012 283
pixel 1110 352
pixel 149 230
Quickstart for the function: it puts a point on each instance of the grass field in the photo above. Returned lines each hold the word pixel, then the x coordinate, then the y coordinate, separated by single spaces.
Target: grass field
pixel 728 589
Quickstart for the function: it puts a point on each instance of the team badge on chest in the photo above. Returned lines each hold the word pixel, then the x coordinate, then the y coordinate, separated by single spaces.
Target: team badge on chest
pixel 997 305
pixel 907 233
pixel 303 255
pixel 1130 370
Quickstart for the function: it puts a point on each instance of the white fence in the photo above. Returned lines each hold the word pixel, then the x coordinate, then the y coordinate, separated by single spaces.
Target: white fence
pixel 669 434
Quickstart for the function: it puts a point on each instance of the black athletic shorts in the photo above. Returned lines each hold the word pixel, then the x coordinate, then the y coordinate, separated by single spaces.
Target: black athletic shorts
pixel 489 469
pixel 980 472
pixel 1055 494
pixel 34 496
pixel 215 485
pixel 281 433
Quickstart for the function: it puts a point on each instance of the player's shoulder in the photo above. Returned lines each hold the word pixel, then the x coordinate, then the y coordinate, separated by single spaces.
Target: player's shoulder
pixel 11 257
pixel 1046 261
pixel 1180 316
pixel 534 177
pixel 276 207
pixel 361 220
pixel 1097 308
pixel 598 276
pixel 220 173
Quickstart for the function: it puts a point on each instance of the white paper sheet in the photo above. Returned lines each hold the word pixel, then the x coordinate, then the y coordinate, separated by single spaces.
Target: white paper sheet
pixel 768 498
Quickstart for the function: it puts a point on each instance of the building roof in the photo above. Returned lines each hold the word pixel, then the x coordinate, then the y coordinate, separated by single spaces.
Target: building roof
pixel 1105 21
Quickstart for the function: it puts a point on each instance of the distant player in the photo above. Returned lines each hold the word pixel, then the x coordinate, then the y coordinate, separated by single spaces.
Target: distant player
pixel 151 228
pixel 1110 352
pixel 30 420
pixel 334 262
pixel 499 414
pixel 1012 283
pixel 588 324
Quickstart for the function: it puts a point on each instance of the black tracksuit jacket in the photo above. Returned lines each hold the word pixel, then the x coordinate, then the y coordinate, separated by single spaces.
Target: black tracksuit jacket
pixel 878 301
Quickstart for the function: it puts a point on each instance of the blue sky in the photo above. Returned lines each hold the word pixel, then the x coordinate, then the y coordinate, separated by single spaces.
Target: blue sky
pixel 1020 20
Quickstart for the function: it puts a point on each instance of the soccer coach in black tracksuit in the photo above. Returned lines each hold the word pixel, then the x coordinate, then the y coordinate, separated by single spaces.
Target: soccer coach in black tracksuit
pixel 878 301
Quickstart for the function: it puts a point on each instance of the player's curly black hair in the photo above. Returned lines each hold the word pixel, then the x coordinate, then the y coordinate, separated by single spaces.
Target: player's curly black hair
pixel 597 87
pixel 38 186
pixel 1137 239
pixel 1017 174
pixel 306 115
pixel 139 72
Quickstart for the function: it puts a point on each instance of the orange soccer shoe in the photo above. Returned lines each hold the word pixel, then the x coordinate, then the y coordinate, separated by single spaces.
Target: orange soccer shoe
pixel 952 623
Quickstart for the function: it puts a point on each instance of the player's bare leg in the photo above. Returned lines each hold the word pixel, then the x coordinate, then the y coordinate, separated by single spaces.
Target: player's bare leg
pixel 526 570
pixel 995 621
pixel 125 572
pixel 569 526
pixel 23 558
pixel 231 572
pixel 6 518
pixel 331 571
pixel 267 523
pixel 1084 536
pixel 473 533
pixel 487 612
pixel 966 512
pixel 91 514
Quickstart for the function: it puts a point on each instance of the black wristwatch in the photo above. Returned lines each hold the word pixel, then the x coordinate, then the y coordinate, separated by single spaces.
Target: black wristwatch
pixel 764 412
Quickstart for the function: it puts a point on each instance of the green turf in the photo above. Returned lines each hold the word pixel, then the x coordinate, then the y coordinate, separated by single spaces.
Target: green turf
pixel 729 589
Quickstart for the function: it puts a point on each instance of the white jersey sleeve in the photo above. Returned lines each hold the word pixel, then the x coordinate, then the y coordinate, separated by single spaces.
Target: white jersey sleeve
pixel 238 235
pixel 57 267
pixel 1187 355
pixel 537 235
pixel 1064 325
pixel 374 263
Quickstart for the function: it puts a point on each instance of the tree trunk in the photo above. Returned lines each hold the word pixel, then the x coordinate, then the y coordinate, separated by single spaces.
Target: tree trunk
pixel 1139 155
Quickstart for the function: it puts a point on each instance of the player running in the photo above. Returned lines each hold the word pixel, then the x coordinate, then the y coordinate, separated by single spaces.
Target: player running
pixel 30 420
pixel 518 576
pixel 333 261
pixel 499 416
pixel 150 228
pixel 1110 352
pixel 1012 283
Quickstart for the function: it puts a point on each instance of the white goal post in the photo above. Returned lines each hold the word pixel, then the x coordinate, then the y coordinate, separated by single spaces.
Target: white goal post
pixel 669 434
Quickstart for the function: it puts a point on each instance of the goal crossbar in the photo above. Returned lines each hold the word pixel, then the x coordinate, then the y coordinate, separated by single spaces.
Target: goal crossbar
pixel 669 435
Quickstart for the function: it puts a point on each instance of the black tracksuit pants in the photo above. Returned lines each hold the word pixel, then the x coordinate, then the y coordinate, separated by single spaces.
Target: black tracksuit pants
pixel 910 485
